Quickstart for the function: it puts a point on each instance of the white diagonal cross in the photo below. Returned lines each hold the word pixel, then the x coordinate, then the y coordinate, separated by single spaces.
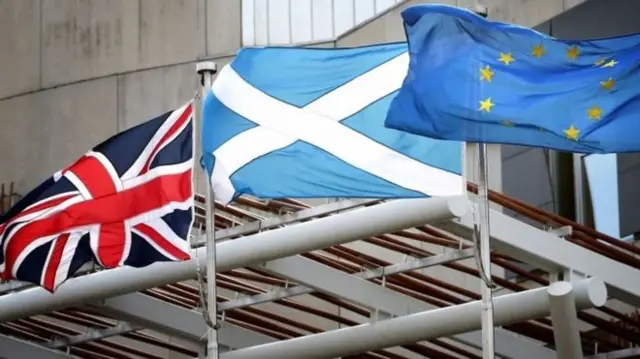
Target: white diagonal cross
pixel 318 123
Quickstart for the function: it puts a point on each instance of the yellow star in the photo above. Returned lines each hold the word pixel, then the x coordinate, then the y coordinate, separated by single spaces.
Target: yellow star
pixel 600 62
pixel 538 51
pixel 486 105
pixel 506 58
pixel 486 73
pixel 507 123
pixel 608 85
pixel 611 63
pixel 573 52
pixel 595 113
pixel 572 133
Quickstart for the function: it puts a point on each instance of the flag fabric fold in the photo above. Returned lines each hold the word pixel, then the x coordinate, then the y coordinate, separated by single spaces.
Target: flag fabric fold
pixel 471 79
pixel 128 201
pixel 309 123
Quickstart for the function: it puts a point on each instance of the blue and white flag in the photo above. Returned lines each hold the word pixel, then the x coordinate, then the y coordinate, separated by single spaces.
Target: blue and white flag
pixel 309 123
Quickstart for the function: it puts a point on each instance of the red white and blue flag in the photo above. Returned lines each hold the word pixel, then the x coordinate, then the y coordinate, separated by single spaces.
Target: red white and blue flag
pixel 128 201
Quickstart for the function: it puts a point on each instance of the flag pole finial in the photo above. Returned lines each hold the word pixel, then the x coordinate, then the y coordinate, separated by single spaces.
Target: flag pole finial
pixel 204 68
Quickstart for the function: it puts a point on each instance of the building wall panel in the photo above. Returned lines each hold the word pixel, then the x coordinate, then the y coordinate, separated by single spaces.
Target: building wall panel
pixel 48 130
pixel 20 44
pixel 87 39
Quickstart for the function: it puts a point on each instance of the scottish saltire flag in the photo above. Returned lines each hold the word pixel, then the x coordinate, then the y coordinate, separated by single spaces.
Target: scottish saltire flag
pixel 471 79
pixel 128 201
pixel 301 123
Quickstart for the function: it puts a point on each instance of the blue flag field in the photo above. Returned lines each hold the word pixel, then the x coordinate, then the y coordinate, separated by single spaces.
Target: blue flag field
pixel 471 79
pixel 309 123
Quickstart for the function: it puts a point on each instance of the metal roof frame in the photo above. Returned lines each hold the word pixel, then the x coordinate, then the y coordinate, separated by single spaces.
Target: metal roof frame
pixel 338 275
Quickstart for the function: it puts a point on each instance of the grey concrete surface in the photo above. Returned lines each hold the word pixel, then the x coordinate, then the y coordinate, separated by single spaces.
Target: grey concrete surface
pixel 50 129
pixel 76 72
pixel 86 39
pixel 142 93
pixel 20 44
pixel 223 40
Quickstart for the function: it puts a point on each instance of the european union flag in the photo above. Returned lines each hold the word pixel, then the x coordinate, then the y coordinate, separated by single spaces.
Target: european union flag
pixel 301 123
pixel 471 79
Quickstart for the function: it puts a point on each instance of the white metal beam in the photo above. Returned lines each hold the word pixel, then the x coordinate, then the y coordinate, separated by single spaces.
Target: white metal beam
pixel 326 279
pixel 618 354
pixel 299 238
pixel 245 229
pixel 564 317
pixel 287 219
pixel 375 297
pixel 176 321
pixel 551 253
pixel 510 308
pixel 368 274
pixel 94 334
pixel 13 348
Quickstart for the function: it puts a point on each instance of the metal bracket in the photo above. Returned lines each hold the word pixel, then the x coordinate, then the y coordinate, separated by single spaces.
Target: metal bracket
pixel 561 232
pixel 480 9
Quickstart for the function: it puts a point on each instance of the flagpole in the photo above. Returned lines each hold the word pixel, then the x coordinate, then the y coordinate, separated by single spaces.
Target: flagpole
pixel 488 342
pixel 206 70
pixel 484 234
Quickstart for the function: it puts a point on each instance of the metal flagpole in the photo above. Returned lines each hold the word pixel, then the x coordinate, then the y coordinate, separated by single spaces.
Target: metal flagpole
pixel 488 342
pixel 484 234
pixel 206 70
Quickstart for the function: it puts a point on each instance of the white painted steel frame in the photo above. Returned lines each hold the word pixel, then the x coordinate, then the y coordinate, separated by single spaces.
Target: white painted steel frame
pixel 564 317
pixel 387 301
pixel 353 289
pixel 510 308
pixel 554 254
pixel 233 232
pixel 94 334
pixel 523 246
pixel 142 310
pixel 368 274
pixel 277 221
pixel 299 238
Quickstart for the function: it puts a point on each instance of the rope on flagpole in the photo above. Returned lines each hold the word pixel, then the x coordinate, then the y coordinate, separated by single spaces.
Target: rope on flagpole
pixel 484 253
pixel 202 291
pixel 475 238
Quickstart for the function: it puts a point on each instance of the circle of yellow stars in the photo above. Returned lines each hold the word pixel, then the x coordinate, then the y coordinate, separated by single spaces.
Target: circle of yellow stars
pixel 594 113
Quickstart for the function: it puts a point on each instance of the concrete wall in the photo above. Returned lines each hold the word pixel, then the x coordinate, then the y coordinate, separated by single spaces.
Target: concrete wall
pixel 73 73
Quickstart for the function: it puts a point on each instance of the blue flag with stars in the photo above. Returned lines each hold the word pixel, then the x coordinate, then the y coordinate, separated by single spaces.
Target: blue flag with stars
pixel 471 79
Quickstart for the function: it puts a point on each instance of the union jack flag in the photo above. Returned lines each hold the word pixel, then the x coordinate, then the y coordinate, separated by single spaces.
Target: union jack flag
pixel 128 201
